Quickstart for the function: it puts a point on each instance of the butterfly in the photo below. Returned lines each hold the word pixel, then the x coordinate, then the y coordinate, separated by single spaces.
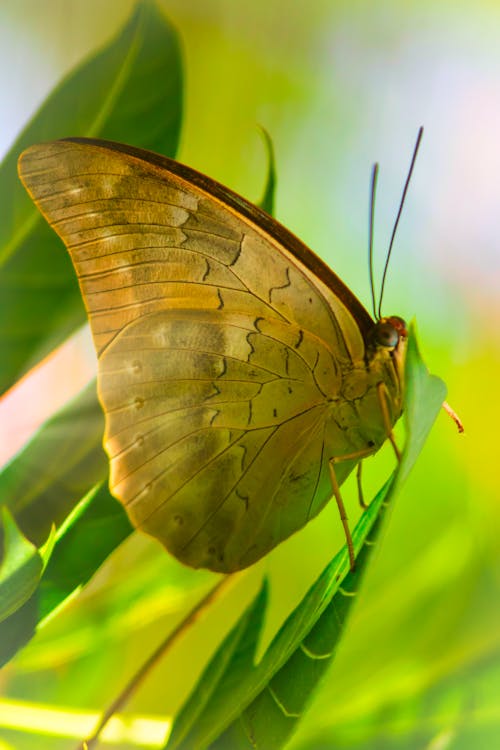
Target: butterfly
pixel 241 380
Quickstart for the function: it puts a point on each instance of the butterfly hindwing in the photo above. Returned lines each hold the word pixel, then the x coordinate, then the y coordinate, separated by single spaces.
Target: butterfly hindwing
pixel 195 405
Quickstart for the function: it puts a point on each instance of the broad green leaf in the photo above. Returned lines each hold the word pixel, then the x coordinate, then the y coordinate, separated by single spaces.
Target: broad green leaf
pixel 257 705
pixel 130 91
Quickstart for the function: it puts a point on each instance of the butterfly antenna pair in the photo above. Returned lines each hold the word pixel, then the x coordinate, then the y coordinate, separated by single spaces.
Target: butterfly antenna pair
pixel 377 310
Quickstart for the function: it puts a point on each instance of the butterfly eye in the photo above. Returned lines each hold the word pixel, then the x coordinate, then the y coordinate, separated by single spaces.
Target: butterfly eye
pixel 386 334
pixel 398 323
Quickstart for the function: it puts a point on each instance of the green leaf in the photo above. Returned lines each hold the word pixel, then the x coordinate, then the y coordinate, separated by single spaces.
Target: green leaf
pixel 442 716
pixel 258 705
pixel 424 396
pixel 272 716
pixel 129 91
pixel 20 569
pixel 243 681
pixel 87 537
pixel 18 629
pixel 267 200
pixel 58 480
pixel 233 658
pixel 44 482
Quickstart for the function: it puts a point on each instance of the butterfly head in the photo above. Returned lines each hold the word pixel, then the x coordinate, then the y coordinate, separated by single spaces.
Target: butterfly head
pixel 388 341
pixel 389 332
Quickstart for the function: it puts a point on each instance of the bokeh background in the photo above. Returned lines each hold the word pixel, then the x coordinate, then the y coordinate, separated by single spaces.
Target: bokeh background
pixel 337 85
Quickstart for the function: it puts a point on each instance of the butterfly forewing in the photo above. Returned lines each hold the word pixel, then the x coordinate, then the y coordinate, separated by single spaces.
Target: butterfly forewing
pixel 221 353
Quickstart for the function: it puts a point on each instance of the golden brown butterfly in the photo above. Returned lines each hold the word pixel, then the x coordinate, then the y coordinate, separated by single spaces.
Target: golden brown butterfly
pixel 240 379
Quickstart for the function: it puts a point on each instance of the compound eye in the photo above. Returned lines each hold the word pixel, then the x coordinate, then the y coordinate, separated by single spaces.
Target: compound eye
pixel 397 323
pixel 386 335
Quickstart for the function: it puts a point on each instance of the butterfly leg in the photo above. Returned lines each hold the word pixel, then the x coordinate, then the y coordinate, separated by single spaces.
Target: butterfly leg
pixel 453 414
pixel 382 398
pixel 361 497
pixel 357 456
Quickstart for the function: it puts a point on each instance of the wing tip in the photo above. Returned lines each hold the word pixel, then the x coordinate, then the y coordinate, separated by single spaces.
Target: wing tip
pixel 28 160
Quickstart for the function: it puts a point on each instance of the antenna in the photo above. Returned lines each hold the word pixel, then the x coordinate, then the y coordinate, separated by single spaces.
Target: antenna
pixel 373 190
pixel 415 152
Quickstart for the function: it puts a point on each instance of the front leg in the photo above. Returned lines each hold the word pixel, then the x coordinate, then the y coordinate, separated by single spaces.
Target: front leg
pixel 359 456
pixel 382 399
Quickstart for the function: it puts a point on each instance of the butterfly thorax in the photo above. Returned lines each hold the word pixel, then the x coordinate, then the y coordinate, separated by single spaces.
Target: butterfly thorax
pixel 356 422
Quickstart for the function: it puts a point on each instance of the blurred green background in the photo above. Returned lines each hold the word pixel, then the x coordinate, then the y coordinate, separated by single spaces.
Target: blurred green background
pixel 338 85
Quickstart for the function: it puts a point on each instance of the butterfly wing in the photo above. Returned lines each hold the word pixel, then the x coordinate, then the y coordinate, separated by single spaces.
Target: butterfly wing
pixel 221 346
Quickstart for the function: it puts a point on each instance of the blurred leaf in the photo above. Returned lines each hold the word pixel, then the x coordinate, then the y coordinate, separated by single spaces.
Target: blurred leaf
pixel 20 569
pixel 267 200
pixel 458 713
pixel 18 629
pixel 94 529
pixel 83 542
pixel 240 704
pixel 130 91
pixel 44 482
pixel 58 480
